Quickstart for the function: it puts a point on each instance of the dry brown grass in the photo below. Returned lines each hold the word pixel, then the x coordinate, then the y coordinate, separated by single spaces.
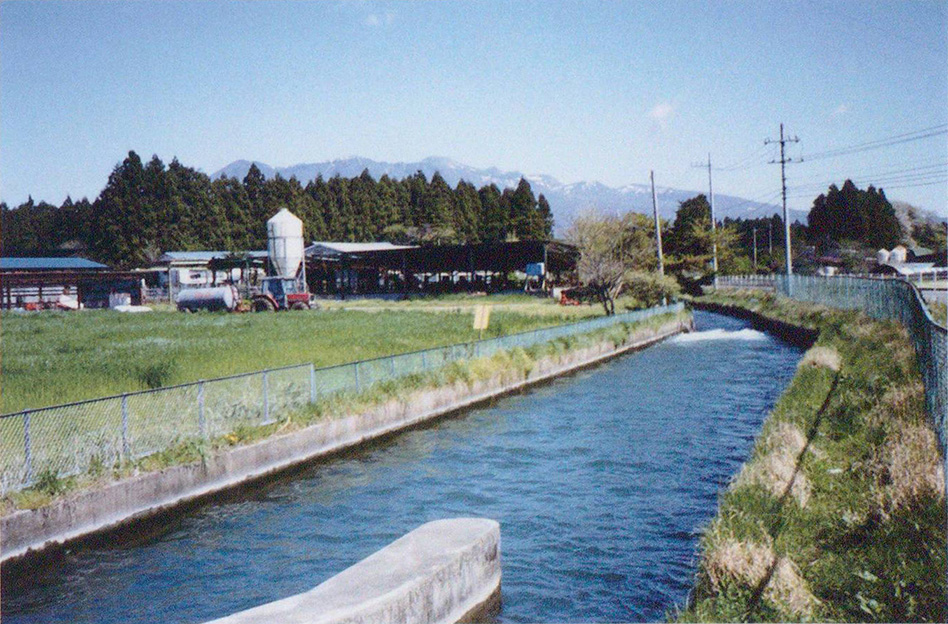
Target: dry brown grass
pixel 904 402
pixel 821 356
pixel 749 563
pixel 775 468
pixel 908 468
pixel 788 588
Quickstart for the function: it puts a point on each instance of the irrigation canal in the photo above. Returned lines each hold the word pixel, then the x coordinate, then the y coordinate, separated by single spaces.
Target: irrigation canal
pixel 600 482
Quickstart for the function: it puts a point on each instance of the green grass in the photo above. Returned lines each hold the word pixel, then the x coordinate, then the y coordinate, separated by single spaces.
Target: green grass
pixel 513 364
pixel 858 534
pixel 939 312
pixel 57 357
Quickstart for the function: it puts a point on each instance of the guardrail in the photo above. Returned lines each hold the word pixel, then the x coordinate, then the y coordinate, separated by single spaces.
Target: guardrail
pixel 95 435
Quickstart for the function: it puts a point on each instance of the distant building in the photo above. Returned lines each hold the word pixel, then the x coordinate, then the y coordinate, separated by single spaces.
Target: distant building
pixel 196 269
pixel 379 268
pixel 68 283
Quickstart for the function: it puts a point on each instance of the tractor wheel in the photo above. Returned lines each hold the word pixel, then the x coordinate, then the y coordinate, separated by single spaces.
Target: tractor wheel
pixel 299 305
pixel 263 305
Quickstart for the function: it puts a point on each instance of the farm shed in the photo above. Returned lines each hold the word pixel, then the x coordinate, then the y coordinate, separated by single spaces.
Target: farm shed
pixel 45 282
pixel 349 268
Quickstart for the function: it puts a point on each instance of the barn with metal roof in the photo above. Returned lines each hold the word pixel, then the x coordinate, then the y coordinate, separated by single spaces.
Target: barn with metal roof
pixel 39 283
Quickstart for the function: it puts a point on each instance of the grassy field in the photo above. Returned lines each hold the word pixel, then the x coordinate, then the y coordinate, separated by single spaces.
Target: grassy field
pixel 182 443
pixel 839 514
pixel 58 357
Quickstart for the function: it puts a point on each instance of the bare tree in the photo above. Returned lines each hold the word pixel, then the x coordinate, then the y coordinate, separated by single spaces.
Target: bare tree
pixel 611 249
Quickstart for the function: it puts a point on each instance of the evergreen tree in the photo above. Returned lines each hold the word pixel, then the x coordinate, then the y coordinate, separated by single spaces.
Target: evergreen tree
pixel 494 221
pixel 545 214
pixel 467 213
pixel 851 216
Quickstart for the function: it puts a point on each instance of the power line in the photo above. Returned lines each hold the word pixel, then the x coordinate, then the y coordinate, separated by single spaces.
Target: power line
pixel 883 177
pixel 760 199
pixel 875 171
pixel 897 139
pixel 745 163
pixel 876 181
pixel 801 194
pixel 783 184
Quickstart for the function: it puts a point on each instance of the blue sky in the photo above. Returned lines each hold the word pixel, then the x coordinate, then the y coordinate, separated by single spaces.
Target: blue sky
pixel 578 90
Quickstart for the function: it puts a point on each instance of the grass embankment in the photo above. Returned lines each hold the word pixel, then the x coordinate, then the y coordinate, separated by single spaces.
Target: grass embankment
pixel 839 514
pixel 58 357
pixel 938 311
pixel 512 365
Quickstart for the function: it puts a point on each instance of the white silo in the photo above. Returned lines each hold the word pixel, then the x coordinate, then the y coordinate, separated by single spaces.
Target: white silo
pixel 882 256
pixel 285 243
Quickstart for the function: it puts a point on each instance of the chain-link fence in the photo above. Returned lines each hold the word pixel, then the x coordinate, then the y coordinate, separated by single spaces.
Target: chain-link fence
pixel 88 436
pixel 751 281
pixel 888 299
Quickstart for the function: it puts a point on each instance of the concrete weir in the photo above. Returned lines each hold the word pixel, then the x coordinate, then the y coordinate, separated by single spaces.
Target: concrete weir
pixel 444 571
pixel 25 534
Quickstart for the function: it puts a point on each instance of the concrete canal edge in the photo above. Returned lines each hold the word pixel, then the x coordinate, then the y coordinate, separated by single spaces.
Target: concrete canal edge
pixel 796 335
pixel 34 536
pixel 444 571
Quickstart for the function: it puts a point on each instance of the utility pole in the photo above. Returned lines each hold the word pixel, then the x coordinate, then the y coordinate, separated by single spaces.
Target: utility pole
pixel 755 250
pixel 770 238
pixel 783 183
pixel 714 241
pixel 658 226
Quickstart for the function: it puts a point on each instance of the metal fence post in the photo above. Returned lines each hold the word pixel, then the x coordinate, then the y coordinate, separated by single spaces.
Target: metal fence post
pixel 202 422
pixel 28 449
pixel 424 360
pixel 358 383
pixel 312 383
pixel 266 398
pixel 126 451
pixel 391 361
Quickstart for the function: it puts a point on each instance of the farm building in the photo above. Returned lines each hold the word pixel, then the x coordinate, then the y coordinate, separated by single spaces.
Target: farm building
pixel 373 268
pixel 345 268
pixel 68 283
pixel 195 269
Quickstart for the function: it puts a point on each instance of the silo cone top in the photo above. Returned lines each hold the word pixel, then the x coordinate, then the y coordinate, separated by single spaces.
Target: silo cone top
pixel 284 216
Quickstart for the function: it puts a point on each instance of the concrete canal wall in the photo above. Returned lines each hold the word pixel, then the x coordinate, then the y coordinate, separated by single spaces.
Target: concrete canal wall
pixel 132 503
pixel 445 571
pixel 796 335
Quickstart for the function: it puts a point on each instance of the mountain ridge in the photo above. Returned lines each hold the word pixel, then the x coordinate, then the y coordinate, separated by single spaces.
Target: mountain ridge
pixel 566 200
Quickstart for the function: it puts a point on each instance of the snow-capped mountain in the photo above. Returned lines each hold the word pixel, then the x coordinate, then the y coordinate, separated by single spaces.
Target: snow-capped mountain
pixel 566 200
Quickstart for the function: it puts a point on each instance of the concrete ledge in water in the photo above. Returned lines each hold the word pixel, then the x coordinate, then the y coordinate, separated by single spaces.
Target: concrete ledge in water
pixel 444 571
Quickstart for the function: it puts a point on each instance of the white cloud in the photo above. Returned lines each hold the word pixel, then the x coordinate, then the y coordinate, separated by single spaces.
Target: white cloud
pixel 374 19
pixel 662 112
pixel 842 109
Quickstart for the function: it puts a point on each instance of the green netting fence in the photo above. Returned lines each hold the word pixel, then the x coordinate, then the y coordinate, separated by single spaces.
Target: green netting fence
pixel 888 299
pixel 74 438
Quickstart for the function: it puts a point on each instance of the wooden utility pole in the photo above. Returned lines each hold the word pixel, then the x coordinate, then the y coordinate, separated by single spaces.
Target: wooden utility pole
pixel 658 226
pixel 714 242
pixel 783 184
pixel 755 250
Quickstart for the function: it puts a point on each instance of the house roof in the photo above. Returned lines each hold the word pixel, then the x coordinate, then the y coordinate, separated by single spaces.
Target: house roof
pixel 191 256
pixel 50 264
pixel 333 248
pixel 908 268
pixel 203 257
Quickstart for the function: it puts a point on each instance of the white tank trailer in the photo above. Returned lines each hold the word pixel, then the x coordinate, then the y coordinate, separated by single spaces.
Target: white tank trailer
pixel 214 299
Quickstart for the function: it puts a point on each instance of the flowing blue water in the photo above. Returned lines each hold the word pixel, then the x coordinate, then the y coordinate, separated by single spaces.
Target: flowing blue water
pixel 600 482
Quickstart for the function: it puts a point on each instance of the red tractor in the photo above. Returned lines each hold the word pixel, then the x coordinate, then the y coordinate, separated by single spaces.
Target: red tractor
pixel 281 293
